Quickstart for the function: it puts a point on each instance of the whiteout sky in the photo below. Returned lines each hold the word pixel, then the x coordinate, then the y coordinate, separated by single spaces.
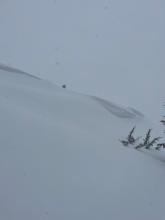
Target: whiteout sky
pixel 113 49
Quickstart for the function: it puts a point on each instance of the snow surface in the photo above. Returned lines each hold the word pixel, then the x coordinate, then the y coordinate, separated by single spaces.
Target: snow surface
pixel 60 156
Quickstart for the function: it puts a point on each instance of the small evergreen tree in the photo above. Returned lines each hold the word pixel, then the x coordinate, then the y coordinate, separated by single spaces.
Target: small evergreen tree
pixel 147 137
pixel 147 141
pixel 130 140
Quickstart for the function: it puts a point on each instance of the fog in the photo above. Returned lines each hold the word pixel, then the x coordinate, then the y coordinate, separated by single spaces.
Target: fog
pixel 112 49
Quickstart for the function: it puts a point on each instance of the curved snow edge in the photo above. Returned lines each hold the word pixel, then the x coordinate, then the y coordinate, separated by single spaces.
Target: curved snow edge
pixel 15 70
pixel 117 110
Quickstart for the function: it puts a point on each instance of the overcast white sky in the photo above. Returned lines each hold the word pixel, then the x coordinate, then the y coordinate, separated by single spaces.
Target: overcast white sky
pixel 114 49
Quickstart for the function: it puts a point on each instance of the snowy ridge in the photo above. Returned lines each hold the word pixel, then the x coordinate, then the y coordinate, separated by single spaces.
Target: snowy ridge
pixel 113 108
pixel 15 70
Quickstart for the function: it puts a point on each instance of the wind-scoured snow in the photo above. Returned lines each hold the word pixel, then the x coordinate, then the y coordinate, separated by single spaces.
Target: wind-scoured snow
pixel 60 156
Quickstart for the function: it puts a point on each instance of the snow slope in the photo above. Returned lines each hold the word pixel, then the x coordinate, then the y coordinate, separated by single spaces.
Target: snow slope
pixel 60 157
pixel 89 45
